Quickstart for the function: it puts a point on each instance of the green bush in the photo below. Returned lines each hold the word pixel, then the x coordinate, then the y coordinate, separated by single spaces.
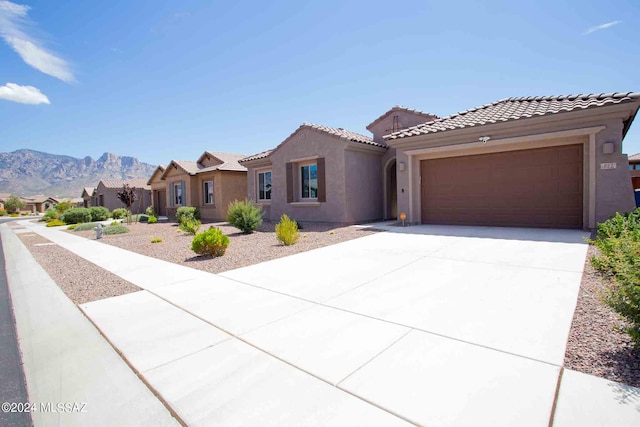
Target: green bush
pixel 119 213
pixel 189 226
pixel 187 212
pixel 3 212
pixel 618 241
pixel 287 231
pixel 86 226
pixel 244 215
pixel 211 242
pixel 62 207
pixel 14 215
pixel 156 240
pixel 55 223
pixel 150 211
pixel 152 219
pixel 115 223
pixel 49 215
pixel 99 213
pixel 115 229
pixel 72 227
pixel 76 215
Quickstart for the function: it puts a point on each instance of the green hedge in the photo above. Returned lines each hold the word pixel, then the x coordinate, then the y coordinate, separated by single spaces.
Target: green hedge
pixel 76 215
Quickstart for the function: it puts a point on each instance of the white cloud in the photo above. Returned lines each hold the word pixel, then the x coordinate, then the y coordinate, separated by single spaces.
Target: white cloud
pixel 601 27
pixel 23 94
pixel 13 24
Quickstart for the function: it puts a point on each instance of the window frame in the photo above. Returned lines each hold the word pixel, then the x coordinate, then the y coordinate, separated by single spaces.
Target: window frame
pixel 177 189
pixel 206 193
pixel 259 189
pixel 301 167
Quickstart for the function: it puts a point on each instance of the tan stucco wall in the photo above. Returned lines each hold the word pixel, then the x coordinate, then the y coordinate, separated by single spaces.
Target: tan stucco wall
pixel 112 202
pixel 352 172
pixel 611 193
pixel 364 186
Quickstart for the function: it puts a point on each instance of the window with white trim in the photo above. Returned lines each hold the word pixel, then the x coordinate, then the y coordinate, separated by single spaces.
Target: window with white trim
pixel 264 185
pixel 208 192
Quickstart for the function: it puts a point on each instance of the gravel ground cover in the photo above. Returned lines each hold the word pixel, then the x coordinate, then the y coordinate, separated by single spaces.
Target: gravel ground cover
pixel 81 280
pixel 243 250
pixel 596 345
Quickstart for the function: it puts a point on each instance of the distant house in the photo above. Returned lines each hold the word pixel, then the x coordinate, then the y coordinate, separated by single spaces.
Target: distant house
pixel 634 170
pixel 210 184
pixel 106 194
pixel 88 196
pixel 38 203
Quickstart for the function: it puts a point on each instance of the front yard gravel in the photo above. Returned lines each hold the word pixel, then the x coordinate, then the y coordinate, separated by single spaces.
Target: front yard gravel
pixel 243 250
pixel 81 280
pixel 596 344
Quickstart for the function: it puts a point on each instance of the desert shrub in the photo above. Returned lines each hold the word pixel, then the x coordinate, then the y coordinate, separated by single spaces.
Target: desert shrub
pixel 115 223
pixel 3 212
pixel 152 219
pixel 618 242
pixel 156 240
pixel 244 215
pixel 13 204
pixel 287 231
pixel 86 226
pixel 119 213
pixel 211 242
pixel 150 211
pixel 187 212
pixel 14 215
pixel 51 214
pixel 115 229
pixel 55 223
pixel 99 213
pixel 76 215
pixel 72 227
pixel 190 226
pixel 62 207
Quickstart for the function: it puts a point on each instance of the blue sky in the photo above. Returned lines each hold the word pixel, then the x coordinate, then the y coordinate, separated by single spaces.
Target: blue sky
pixel 168 80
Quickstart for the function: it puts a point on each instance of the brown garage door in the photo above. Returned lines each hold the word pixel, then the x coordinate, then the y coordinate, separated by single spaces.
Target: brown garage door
pixel 526 188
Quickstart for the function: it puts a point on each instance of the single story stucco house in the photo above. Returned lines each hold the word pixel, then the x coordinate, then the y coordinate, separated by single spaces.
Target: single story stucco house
pixel 106 194
pixel 552 162
pixel 210 184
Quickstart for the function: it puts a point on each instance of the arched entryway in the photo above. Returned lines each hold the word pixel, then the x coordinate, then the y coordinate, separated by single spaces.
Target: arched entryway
pixel 391 193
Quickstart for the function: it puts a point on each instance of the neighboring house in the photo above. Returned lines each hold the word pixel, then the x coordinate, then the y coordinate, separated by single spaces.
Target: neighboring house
pixel 89 197
pixel 38 203
pixel 210 184
pixel 106 194
pixel 3 197
pixel 529 162
pixel 326 174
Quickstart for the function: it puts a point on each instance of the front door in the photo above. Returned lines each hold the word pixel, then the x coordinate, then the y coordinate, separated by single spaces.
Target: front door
pixel 161 207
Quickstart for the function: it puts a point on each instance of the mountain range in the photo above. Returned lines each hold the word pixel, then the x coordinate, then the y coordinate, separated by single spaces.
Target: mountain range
pixel 28 172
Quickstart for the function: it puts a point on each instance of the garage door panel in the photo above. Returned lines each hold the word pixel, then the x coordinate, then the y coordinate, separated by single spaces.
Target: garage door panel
pixel 526 188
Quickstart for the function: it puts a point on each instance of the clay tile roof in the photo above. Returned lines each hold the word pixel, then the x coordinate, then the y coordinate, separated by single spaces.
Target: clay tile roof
pixel 257 156
pixel 344 134
pixel 635 157
pixel 118 183
pixel 514 109
pixel 190 167
pixel 401 108
pixel 230 162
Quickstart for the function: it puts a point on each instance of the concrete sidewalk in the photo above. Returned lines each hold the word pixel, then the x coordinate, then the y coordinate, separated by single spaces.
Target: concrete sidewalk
pixel 223 352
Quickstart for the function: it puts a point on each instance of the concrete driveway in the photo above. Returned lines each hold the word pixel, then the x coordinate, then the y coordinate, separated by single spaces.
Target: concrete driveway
pixel 424 325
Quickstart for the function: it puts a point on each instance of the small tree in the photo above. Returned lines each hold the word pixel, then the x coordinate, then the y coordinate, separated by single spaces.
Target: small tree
pixel 128 196
pixel 13 204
